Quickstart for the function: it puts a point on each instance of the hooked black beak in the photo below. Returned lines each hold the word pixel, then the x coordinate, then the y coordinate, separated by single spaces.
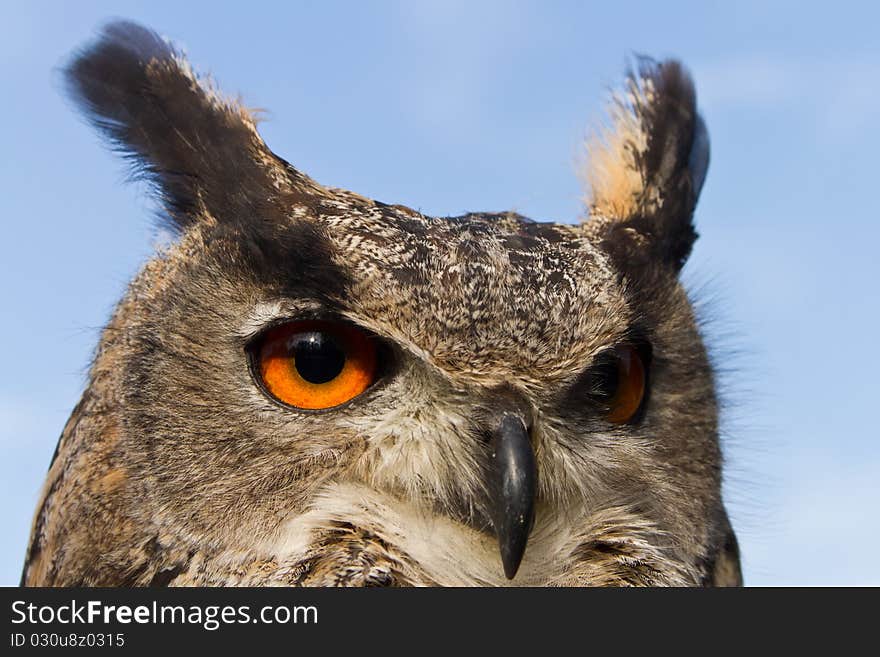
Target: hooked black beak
pixel 512 489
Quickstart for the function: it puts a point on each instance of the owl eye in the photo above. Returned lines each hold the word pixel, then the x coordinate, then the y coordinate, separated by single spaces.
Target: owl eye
pixel 617 383
pixel 314 364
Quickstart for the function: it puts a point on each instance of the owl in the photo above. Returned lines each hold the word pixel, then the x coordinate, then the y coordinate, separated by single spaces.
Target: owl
pixel 310 387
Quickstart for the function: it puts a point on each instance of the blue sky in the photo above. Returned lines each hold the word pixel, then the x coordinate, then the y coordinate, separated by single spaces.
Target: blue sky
pixel 457 106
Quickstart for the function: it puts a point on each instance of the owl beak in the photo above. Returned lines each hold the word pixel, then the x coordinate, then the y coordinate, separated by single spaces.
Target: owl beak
pixel 513 481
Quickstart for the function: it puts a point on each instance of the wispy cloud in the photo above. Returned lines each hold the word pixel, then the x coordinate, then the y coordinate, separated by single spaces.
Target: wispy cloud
pixel 830 522
pixel 454 65
pixel 747 81
pixel 838 93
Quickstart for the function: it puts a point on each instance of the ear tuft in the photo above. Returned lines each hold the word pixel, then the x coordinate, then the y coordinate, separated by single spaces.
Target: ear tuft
pixel 647 167
pixel 202 153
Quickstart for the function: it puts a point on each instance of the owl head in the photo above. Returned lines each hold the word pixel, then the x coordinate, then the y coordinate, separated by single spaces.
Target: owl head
pixel 309 386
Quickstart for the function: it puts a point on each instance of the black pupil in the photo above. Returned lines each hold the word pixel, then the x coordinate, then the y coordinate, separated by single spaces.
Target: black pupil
pixel 605 379
pixel 317 356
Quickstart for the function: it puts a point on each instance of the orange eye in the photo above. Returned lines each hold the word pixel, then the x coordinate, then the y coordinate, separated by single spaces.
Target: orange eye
pixel 315 364
pixel 617 382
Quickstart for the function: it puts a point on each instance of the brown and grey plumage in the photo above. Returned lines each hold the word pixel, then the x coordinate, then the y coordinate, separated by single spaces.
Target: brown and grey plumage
pixel 490 421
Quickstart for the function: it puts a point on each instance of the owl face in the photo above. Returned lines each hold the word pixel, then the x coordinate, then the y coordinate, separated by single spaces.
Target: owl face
pixel 312 387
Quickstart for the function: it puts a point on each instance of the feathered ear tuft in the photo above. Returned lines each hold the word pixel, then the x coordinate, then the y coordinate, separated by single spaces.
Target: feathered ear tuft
pixel 646 169
pixel 201 152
